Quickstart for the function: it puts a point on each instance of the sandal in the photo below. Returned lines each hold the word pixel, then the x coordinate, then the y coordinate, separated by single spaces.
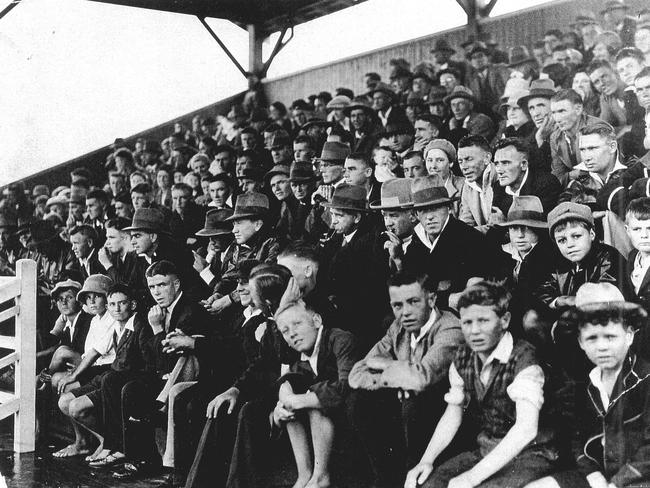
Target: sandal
pixel 110 460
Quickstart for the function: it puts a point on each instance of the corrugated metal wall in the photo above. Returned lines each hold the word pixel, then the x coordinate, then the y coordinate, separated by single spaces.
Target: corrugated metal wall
pixel 523 27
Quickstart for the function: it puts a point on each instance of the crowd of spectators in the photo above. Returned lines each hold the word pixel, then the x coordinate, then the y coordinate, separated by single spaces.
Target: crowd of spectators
pixel 452 267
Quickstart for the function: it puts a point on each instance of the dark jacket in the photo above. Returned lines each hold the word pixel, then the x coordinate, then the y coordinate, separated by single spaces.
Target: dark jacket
pixel 293 215
pixel 542 185
pixel 187 225
pixel 131 351
pixel 602 263
pixel 641 297
pixel 78 341
pixel 336 356
pixel 623 426
pixel 94 265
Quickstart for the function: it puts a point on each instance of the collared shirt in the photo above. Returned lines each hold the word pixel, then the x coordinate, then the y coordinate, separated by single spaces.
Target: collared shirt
pixel 515 193
pixel 424 330
pixel 250 312
pixel 596 378
pixel 527 385
pixel 406 242
pixel 474 186
pixel 71 325
pixel 108 343
pixel 596 177
pixel 85 261
pixel 517 258
pixel 170 310
pixel 641 265
pixel 384 117
pixel 313 357
pixel 347 238
pixel 99 328
pixel 424 237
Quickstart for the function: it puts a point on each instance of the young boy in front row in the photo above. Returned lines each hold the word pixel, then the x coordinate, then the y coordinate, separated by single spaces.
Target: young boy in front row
pixel 313 394
pixel 497 384
pixel 617 452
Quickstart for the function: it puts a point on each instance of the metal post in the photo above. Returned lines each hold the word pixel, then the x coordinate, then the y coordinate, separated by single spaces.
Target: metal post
pixel 25 378
pixel 255 64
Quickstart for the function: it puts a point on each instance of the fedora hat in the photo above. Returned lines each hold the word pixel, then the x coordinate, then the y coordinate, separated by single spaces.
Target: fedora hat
pixel 479 47
pixel 277 169
pixel 216 223
pixel 149 219
pixel 393 128
pixel 427 191
pixel 414 100
pixel 349 197
pixel 437 94
pixel 460 91
pixel 543 87
pixel 302 172
pixel 526 210
pixel 314 122
pixel 395 193
pixel 442 45
pixel 97 283
pixel 339 101
pixel 514 85
pixel 358 103
pixel 41 231
pixel 255 173
pixel 596 297
pixel 382 88
pixel 334 151
pixel 250 205
pixel 65 285
pixel 513 100
pixel 519 55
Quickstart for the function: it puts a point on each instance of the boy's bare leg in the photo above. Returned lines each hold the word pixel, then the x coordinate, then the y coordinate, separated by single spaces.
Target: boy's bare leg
pixel 322 434
pixel 80 446
pixel 300 444
pixel 547 482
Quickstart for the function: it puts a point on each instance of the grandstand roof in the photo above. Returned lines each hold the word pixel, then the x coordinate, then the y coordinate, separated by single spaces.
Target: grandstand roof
pixel 268 15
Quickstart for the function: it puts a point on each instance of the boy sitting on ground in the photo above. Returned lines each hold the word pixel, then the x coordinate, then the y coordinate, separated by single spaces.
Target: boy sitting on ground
pixel 496 383
pixel 617 450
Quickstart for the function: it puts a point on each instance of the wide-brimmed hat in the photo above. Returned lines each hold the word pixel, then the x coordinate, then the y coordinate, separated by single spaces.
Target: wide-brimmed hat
pixel 513 100
pixel 437 94
pixel 97 283
pixel 41 231
pixel 255 173
pixel 526 210
pixel 334 151
pixel 395 194
pixel 613 5
pixel 352 198
pixel 250 205
pixel 57 200
pixel 460 91
pixel 393 128
pixel 277 169
pixel 569 211
pixel 302 172
pixel 383 88
pixel 414 100
pixel 360 102
pixel 519 55
pixel 596 297
pixel 339 101
pixel 65 285
pixel 543 87
pixel 514 85
pixel 445 146
pixel 148 219
pixel 442 45
pixel 216 223
pixel 427 191
pixel 479 47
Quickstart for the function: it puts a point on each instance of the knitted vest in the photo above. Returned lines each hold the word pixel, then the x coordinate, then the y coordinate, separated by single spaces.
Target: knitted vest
pixel 489 407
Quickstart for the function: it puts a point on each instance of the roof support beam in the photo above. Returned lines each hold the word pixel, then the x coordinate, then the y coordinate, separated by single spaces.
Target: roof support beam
pixel 476 11
pixel 279 45
pixel 223 46
pixel 8 8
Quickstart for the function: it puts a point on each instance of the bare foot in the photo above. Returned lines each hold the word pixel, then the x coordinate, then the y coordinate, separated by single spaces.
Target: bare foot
pixel 71 450
pixel 99 453
pixel 302 481
pixel 319 481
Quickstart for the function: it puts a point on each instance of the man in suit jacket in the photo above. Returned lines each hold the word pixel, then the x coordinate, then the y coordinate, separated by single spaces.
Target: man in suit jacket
pixel 383 103
pixel 84 241
pixel 465 119
pixel 363 124
pixel 485 79
pixel 449 251
pixel 410 363
pixel 515 178
pixel 187 216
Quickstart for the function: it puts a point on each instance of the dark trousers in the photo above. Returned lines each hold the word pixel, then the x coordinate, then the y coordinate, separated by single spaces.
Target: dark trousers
pixel 394 432
pixel 129 405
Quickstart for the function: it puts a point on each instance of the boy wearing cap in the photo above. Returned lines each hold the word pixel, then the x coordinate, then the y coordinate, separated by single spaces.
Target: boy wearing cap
pixel 584 258
pixel 313 395
pixel 617 450
pixel 497 384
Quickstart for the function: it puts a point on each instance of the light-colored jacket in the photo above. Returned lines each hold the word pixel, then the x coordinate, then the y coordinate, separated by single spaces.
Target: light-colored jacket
pixel 475 206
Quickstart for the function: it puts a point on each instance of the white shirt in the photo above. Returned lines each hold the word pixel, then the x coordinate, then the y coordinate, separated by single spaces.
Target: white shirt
pixel 99 328
pixel 170 309
pixel 384 117
pixel 313 357
pixel 424 237
pixel 106 343
pixel 527 385
pixel 424 330
pixel 71 325
pixel 84 261
pixel 347 238
pixel 641 266
pixel 406 242
pixel 596 177
pixel 515 193
pixel 595 376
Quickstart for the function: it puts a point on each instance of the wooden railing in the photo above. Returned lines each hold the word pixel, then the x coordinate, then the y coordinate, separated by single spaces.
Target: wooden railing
pixel 20 289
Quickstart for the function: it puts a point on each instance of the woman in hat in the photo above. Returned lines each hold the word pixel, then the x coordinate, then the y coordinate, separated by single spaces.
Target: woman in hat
pixel 440 157
pixel 518 122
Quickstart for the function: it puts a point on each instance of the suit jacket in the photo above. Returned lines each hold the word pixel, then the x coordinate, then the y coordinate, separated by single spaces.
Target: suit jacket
pixel 542 185
pixel 476 124
pixel 475 206
pixel 642 296
pixel 131 353
pixel 78 341
pixel 293 215
pixel 94 265
pixel 489 90
pixel 163 199
pixel 561 160
pixel 186 226
pixel 461 252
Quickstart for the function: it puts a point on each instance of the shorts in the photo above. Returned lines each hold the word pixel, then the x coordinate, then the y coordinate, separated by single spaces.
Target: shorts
pixel 91 372
pixel 93 388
